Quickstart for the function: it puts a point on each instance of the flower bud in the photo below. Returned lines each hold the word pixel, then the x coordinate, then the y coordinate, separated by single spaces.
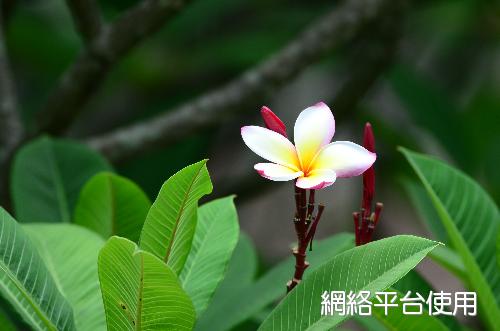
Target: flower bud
pixel 272 121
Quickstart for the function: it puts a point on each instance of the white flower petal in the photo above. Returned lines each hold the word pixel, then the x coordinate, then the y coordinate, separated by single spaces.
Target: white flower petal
pixel 346 158
pixel 313 129
pixel 276 172
pixel 270 145
pixel 317 179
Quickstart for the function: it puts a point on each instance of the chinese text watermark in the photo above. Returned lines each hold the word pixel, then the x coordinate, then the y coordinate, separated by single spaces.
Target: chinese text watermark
pixel 435 303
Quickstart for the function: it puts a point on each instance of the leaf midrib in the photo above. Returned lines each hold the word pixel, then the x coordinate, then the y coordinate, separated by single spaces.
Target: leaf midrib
pixel 181 211
pixel 138 323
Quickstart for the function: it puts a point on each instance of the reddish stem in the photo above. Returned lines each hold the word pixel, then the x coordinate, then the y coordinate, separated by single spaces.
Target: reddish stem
pixel 303 222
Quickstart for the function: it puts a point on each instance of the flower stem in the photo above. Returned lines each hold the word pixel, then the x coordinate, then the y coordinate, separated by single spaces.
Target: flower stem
pixel 305 228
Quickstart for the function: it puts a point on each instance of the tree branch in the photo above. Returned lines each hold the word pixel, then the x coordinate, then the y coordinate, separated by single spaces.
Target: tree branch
pixel 86 17
pixel 339 26
pixel 83 78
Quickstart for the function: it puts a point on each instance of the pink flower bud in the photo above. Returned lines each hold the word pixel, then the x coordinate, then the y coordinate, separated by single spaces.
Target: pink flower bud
pixel 272 121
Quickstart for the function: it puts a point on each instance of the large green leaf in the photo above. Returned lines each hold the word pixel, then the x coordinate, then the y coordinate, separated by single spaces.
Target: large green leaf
pixel 213 243
pixel 232 310
pixel 139 291
pixel 425 209
pixel 26 283
pixel 415 283
pixel 47 177
pixel 443 255
pixel 471 220
pixel 372 267
pixel 396 320
pixel 70 253
pixel 171 221
pixel 450 260
pixel 241 271
pixel 112 205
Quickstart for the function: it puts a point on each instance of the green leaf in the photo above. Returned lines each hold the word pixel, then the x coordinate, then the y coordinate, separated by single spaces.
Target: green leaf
pixel 242 267
pixel 6 322
pixel 471 220
pixel 415 283
pixel 139 291
pixel 26 283
pixel 112 205
pixel 498 249
pixel 170 224
pixel 214 241
pixel 269 288
pixel 425 209
pixel 240 272
pixel 70 253
pixel 449 259
pixel 369 323
pixel 47 177
pixel 396 320
pixel 372 267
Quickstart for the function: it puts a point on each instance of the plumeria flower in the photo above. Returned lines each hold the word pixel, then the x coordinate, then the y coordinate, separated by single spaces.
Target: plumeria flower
pixel 314 162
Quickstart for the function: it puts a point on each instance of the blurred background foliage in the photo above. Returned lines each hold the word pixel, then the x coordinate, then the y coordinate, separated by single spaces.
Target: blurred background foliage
pixel 438 93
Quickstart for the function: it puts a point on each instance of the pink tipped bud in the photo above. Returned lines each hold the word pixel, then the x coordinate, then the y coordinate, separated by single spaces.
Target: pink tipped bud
pixel 368 175
pixel 272 121
pixel 369 138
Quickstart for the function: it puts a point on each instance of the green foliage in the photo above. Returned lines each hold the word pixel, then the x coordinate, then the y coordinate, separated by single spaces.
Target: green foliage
pixel 70 254
pixel 415 283
pixel 396 320
pixel 449 259
pixel 139 291
pixel 47 176
pixel 112 205
pixel 26 283
pixel 372 267
pixel 498 249
pixel 425 209
pixel 231 310
pixel 6 323
pixel 170 224
pixel 241 271
pixel 471 220
pixel 214 240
